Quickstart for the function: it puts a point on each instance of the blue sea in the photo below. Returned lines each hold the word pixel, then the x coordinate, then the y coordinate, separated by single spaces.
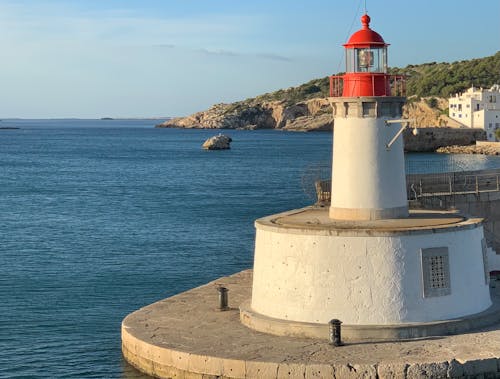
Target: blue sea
pixel 101 217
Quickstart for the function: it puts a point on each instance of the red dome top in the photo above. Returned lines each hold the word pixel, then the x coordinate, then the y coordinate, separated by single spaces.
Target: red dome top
pixel 365 37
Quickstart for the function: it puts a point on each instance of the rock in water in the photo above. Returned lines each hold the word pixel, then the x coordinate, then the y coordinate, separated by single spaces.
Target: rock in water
pixel 218 142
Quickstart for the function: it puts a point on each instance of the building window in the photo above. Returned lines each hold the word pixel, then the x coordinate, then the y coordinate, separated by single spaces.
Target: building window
pixel 460 107
pixel 435 271
pixel 460 115
pixel 497 124
pixel 477 107
pixel 468 105
pixel 369 109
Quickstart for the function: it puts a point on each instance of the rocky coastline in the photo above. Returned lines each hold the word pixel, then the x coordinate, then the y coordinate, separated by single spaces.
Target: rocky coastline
pixel 486 149
pixel 309 115
pixel 436 131
pixel 314 114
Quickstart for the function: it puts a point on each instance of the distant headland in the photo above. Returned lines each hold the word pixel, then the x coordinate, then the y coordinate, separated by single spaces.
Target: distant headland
pixel 306 108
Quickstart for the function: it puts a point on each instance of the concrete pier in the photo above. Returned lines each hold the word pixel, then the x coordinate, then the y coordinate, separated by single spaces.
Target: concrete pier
pixel 185 336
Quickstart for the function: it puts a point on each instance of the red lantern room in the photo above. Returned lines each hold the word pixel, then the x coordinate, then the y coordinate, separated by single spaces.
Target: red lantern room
pixel 366 67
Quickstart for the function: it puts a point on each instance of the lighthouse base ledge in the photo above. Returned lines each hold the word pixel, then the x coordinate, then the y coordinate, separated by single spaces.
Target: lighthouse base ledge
pixel 368 214
pixel 370 333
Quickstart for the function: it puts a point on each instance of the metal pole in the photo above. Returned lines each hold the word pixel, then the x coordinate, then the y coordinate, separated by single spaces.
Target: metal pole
pixel 404 125
pixel 335 336
pixel 223 298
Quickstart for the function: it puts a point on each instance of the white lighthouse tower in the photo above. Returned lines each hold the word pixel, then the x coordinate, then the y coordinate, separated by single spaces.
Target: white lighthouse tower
pixel 384 271
pixel 368 176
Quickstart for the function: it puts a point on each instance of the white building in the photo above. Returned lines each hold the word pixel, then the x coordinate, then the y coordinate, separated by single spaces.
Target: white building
pixel 477 108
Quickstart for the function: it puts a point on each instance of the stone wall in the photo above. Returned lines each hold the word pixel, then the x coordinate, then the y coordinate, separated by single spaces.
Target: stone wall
pixel 430 139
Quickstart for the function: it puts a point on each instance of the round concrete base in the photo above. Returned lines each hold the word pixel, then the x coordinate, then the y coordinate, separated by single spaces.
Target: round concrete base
pixel 425 268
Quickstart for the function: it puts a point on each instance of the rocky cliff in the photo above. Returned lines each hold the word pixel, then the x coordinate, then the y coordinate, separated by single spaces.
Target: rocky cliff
pixel 426 116
pixel 310 115
pixel 313 114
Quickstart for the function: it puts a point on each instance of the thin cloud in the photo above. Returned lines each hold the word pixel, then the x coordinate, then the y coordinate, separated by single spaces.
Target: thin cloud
pixel 274 57
pixel 230 53
pixel 165 46
pixel 225 53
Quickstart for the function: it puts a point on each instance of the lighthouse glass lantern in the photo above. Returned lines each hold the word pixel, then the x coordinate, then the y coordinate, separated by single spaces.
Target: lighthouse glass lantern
pixel 366 63
pixel 367 59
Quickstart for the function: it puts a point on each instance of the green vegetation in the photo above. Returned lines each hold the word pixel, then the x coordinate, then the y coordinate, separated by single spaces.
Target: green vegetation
pixel 432 102
pixel 445 79
pixel 424 80
pixel 497 134
pixel 312 89
pixel 292 95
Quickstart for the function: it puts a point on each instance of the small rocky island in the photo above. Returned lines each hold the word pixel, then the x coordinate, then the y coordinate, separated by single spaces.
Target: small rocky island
pixel 218 142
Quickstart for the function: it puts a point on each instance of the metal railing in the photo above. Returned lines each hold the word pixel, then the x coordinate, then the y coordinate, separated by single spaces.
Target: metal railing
pixel 397 85
pixel 323 191
pixel 336 86
pixel 454 183
pixel 420 186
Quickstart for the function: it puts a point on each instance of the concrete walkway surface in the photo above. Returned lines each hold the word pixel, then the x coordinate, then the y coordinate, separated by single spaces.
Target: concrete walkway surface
pixel 185 336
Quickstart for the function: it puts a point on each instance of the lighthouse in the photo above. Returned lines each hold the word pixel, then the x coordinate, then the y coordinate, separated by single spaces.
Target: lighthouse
pixel 368 178
pixel 384 271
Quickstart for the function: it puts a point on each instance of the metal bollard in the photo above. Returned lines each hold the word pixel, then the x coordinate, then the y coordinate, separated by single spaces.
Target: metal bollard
pixel 335 337
pixel 223 298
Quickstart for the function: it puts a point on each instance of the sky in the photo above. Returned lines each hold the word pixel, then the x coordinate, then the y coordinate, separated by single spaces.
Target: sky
pixel 157 58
